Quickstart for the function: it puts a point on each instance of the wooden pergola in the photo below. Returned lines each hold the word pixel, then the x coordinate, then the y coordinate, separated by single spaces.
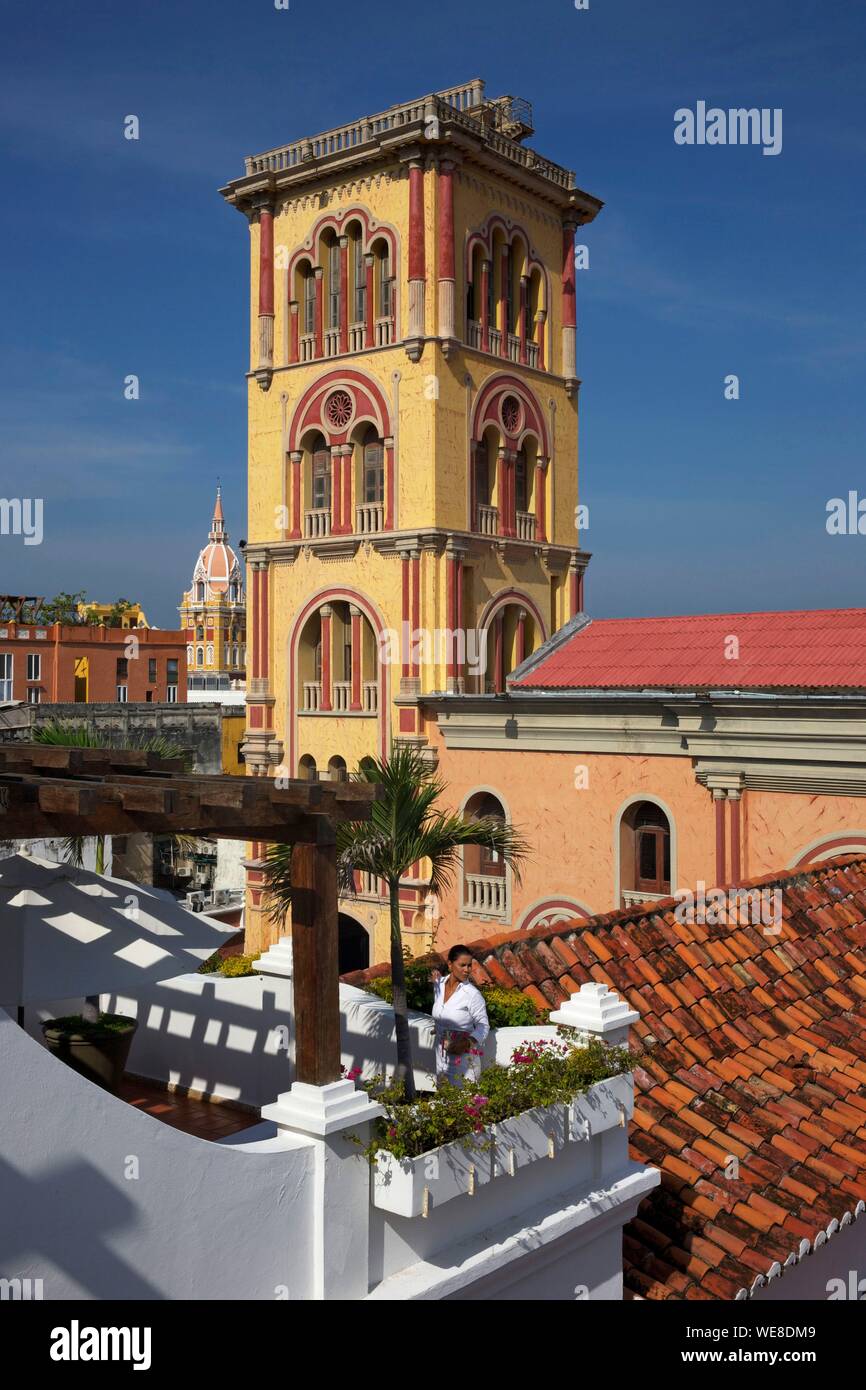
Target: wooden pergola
pixel 48 790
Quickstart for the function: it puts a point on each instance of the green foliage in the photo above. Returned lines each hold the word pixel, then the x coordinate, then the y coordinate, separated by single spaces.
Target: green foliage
pixel 506 1008
pixel 419 988
pixel 77 1026
pixel 117 612
pixel 541 1073
pixel 66 734
pixel 231 967
pixel 63 608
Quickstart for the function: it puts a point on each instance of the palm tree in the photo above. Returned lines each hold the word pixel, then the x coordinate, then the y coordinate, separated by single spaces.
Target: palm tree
pixel 404 829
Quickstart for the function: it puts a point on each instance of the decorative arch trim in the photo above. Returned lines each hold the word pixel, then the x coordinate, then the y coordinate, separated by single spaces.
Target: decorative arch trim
pixel 829 846
pixel 376 620
pixel 564 909
pixel 337 223
pixel 486 411
pixel 368 399
pixel 617 825
pixel 505 599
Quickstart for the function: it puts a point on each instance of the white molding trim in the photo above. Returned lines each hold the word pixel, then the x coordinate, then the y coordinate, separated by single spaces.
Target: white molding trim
pixel 857 845
pixel 617 866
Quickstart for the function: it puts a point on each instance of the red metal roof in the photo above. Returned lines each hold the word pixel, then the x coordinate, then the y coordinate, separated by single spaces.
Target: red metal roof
pixel 812 649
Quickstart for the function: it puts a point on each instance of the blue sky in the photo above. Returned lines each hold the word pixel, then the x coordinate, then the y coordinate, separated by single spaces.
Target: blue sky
pixel 121 258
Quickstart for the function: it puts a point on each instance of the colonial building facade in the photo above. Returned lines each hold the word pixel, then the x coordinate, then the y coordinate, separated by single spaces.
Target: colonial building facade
pixel 413 412
pixel 213 613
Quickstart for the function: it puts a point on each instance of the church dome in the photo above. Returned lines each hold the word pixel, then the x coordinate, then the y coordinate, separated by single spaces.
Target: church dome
pixel 218 567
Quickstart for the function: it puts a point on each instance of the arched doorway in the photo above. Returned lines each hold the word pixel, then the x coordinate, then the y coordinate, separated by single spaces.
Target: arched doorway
pixel 354 945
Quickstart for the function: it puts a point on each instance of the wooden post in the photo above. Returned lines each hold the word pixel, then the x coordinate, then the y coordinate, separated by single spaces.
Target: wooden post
pixel 315 958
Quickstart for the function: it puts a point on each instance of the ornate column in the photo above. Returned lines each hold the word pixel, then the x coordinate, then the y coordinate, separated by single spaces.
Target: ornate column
pixel 446 251
pixel 326 612
pixel 498 653
pixel 260 748
pixel 417 261
pixel 344 294
pixel 319 307
pixel 458 582
pixel 569 306
pixel 370 302
pixel 503 301
pixel 406 623
pixel 336 491
pixel 574 594
pixel 734 800
pixel 355 614
pixel 541 497
pixel 389 483
pixel 294 330
pixel 451 619
pixel 265 364
pixel 485 305
pixel 524 310
pixel 521 636
pixel 541 321
pixel 416 610
pixel 719 806
pixel 348 519
pixel 501 492
pixel 296 458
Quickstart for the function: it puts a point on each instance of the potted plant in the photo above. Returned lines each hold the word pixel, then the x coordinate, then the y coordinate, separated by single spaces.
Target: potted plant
pixel 96 1047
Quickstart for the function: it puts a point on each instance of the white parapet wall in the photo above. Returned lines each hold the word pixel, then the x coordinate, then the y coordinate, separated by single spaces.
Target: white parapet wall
pixel 100 1201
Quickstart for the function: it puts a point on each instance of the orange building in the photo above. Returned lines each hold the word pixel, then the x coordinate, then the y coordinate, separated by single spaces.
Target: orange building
pixel 78 663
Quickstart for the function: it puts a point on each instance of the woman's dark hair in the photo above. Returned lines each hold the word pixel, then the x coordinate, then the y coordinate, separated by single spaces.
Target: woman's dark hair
pixel 456 952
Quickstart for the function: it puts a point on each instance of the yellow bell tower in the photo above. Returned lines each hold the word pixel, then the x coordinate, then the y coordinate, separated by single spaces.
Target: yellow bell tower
pixel 412 428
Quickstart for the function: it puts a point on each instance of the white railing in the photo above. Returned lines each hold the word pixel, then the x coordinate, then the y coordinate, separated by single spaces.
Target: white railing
pixel 317 523
pixel 451 105
pixel 332 342
pixel 370 691
pixel 384 332
pixel 495 339
pixel 342 695
pixel 633 897
pixel 369 517
pixel 532 354
pixel 473 333
pixel 485 894
pixel 357 332
pixel 307 347
pixel 371 886
pixel 312 696
pixel 488 520
pixel 514 347
pixel 525 526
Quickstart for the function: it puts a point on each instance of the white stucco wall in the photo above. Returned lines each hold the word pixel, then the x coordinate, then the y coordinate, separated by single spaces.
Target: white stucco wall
pixel 104 1202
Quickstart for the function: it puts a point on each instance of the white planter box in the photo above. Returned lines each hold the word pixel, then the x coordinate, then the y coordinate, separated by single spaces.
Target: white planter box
pixel 604 1105
pixel 415 1186
pixel 522 1139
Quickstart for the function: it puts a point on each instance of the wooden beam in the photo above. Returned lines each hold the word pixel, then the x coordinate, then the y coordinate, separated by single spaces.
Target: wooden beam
pixel 315 959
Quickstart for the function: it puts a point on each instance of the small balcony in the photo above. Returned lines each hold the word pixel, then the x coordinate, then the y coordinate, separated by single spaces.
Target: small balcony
pixel 317 523
pixel 473 333
pixel 525 526
pixel 357 334
pixel 485 895
pixel 342 697
pixel 532 354
pixel 384 332
pixel 332 342
pixel 307 347
pixel 370 518
pixel 312 696
pixel 495 338
pixel 370 695
pixel 487 520
pixel 514 347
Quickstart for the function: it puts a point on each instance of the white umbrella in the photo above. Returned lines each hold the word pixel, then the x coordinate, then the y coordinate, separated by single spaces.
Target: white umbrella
pixel 67 932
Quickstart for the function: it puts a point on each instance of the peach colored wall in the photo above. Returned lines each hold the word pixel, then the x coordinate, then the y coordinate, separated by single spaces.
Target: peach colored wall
pixel 572 831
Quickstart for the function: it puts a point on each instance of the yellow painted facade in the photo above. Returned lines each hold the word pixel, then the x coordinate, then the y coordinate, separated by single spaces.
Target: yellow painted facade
pixel 413 433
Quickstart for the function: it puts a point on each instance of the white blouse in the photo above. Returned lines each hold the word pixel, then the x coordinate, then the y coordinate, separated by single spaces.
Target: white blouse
pixel 464 1012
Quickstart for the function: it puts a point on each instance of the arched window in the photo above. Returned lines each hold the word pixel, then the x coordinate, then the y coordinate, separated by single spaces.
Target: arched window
pixel 210 654
pixel 337 769
pixel 374 468
pixel 189 654
pixel 486 881
pixel 334 285
pixel 521 482
pixel 199 633
pixel 645 852
pixel 199 656
pixel 359 275
pixel 307 770
pixel 309 301
pixel 321 480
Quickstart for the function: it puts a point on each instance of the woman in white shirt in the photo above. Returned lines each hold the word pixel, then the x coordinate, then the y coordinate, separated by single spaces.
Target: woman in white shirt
pixel 460 1015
